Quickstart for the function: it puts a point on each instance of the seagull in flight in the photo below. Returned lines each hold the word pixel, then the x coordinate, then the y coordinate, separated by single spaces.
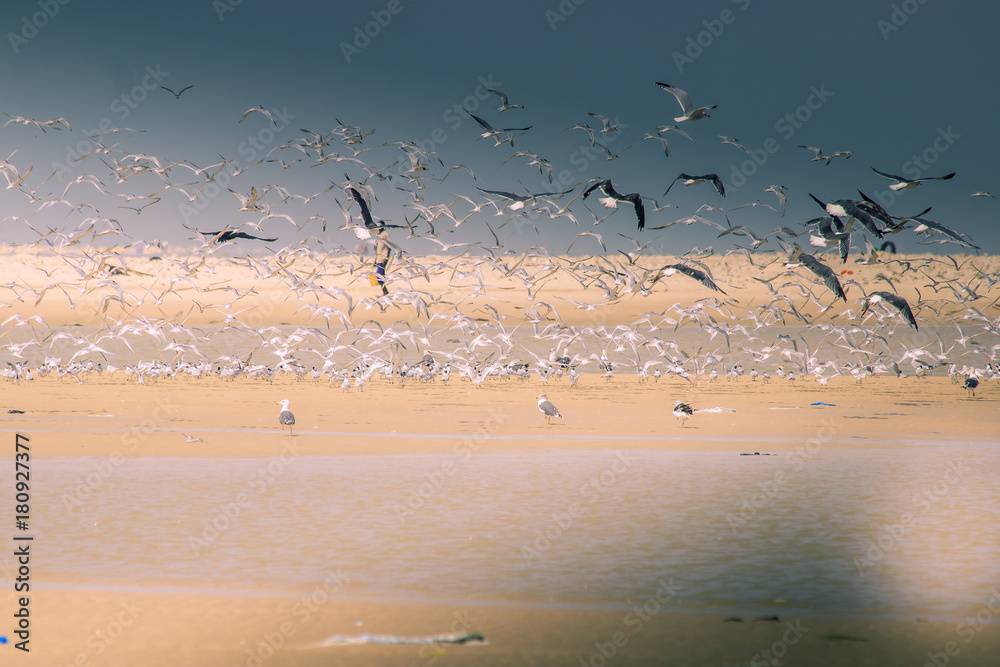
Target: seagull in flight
pixel 691 272
pixel 177 96
pixel 896 301
pixel 822 271
pixel 910 183
pixel 258 109
pixel 490 131
pixel 862 211
pixel 613 197
pixel 505 104
pixel 819 156
pixel 690 113
pixel 695 180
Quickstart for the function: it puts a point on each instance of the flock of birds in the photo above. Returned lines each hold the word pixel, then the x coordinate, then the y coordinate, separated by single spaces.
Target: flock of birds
pixel 465 332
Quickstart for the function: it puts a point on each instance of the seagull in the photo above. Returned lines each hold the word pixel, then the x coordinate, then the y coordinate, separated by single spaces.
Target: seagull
pixel 231 235
pixel 863 212
pixel 191 438
pixel 690 180
pixel 682 411
pixel 980 193
pixel 258 109
pixel 700 276
pixel 285 416
pixel 971 383
pixel 910 183
pixel 177 96
pixel 490 131
pixel 820 156
pixel 613 197
pixel 822 271
pixel 898 302
pixel 547 409
pixel 734 142
pixel 690 113
pixel 779 192
pixel 505 104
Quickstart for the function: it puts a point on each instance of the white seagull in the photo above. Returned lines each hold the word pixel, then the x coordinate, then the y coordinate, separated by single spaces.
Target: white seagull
pixel 690 113
pixel 547 409
pixel 285 416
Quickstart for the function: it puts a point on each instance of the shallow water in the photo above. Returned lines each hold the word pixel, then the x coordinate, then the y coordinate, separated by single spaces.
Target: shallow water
pixel 896 532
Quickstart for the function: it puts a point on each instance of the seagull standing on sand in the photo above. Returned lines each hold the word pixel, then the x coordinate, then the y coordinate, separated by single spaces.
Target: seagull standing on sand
pixel 285 416
pixel 687 109
pixel 971 383
pixel 547 409
pixel 682 411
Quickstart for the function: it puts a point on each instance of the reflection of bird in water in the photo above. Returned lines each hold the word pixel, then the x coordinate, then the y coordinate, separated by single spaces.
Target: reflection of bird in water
pixel 682 411
pixel 547 408
pixel 285 416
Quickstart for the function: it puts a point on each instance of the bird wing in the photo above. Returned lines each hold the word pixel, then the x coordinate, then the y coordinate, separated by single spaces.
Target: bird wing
pixel 682 97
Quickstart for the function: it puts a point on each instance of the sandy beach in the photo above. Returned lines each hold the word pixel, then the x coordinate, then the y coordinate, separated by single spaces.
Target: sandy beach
pixel 98 440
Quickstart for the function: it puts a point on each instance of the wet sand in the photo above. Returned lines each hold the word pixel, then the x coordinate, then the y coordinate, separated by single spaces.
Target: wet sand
pixel 109 417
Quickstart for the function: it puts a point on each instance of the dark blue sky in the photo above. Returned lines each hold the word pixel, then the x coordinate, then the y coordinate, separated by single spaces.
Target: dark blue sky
pixel 885 80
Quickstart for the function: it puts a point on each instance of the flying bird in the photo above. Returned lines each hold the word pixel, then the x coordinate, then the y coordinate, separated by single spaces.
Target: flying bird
pixel 910 183
pixel 505 104
pixel 490 131
pixel 258 109
pixel 547 409
pixel 819 156
pixel 687 109
pixel 285 416
pixel 864 212
pixel 177 96
pixel 691 272
pixel 896 301
pixel 822 271
pixel 696 180
pixel 613 197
